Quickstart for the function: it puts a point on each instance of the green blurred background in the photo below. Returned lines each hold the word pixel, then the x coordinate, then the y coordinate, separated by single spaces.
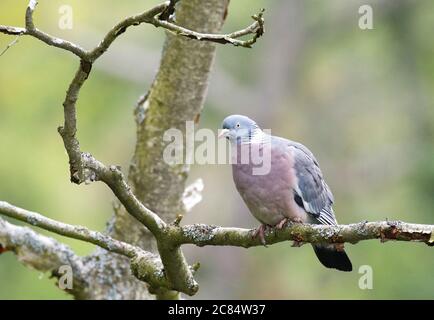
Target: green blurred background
pixel 361 100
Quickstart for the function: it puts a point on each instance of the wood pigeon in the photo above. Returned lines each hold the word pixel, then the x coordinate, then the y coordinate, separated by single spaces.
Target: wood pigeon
pixel 293 188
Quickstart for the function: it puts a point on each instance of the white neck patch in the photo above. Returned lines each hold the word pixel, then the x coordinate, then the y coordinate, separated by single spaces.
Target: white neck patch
pixel 257 136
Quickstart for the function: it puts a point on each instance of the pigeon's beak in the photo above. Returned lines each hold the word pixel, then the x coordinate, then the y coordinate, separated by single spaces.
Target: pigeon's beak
pixel 224 133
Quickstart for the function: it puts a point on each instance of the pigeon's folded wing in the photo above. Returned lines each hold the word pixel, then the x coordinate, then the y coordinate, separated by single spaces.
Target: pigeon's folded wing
pixel 315 194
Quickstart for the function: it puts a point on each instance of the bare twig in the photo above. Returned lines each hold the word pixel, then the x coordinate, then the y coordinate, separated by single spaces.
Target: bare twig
pixel 12 30
pixel 256 28
pixel 67 230
pixel 69 129
pixel 112 176
pixel 122 26
pixel 83 54
pixel 153 16
pixel 9 45
pixel 85 168
pixel 48 39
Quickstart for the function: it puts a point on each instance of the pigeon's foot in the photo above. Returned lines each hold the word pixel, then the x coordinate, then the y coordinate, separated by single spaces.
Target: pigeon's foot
pixel 297 220
pixel 280 225
pixel 260 232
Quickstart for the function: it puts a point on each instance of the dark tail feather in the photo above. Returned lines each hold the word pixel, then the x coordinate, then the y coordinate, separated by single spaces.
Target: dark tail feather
pixel 330 257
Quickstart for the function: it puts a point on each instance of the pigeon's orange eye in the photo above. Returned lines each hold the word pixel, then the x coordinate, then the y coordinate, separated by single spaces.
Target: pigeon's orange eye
pixel 237 125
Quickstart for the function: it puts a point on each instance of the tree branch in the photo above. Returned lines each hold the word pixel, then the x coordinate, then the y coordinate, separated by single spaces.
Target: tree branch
pixel 144 265
pixel 67 230
pixel 112 176
pixel 201 235
pixel 256 28
pixel 85 168
pixel 149 17
pixel 121 27
pixel 149 268
pixel 41 253
pixel 29 245
pixel 14 31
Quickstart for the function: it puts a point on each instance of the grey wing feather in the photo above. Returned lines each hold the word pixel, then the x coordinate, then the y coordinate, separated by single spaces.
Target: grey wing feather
pixel 315 193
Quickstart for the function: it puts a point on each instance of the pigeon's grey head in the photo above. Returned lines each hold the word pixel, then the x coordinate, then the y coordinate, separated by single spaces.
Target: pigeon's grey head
pixel 239 129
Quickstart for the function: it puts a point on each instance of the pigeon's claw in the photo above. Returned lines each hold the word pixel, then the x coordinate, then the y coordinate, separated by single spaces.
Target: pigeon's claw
pixel 280 225
pixel 260 232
